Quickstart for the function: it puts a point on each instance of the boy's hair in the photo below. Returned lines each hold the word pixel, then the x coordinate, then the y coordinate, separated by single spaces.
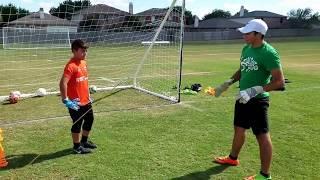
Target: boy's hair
pixel 78 43
pixel 255 33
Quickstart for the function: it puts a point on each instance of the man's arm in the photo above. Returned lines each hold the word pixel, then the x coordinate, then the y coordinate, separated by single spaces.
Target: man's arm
pixel 277 82
pixel 236 76
pixel 63 87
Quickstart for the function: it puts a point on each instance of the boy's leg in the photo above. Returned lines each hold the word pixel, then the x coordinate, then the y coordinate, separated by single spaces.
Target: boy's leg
pixel 265 146
pixel 86 128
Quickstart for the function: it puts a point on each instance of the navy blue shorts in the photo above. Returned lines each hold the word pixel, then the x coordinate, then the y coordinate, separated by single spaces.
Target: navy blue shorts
pixel 252 115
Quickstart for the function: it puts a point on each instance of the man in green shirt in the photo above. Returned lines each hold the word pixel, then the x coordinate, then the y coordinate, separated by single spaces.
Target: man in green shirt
pixel 260 72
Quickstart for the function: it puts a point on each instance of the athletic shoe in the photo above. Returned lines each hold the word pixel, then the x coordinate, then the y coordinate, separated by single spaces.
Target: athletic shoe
pixel 227 161
pixel 257 177
pixel 89 144
pixel 82 150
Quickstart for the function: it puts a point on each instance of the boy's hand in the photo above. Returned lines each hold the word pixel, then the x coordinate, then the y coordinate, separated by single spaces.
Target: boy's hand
pixel 245 95
pixel 223 87
pixel 74 104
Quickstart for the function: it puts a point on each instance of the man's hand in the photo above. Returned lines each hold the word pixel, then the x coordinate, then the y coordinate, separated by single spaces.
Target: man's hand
pixel 245 95
pixel 74 104
pixel 223 87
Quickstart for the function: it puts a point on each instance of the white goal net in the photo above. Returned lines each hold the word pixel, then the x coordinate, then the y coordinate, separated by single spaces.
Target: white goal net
pixel 134 58
pixel 35 38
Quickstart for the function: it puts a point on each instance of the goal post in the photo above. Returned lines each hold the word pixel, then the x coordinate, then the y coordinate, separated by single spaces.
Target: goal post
pixel 134 56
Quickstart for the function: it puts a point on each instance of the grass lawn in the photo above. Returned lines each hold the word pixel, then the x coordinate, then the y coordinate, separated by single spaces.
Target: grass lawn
pixel 171 141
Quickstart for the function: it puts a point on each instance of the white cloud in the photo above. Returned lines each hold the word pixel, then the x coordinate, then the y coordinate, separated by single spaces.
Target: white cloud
pixel 27 1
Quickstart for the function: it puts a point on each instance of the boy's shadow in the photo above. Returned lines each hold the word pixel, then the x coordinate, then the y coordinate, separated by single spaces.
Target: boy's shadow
pixel 203 175
pixel 22 160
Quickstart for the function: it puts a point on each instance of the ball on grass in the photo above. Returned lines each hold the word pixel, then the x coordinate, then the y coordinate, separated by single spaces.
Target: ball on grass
pixel 14 97
pixel 93 89
pixel 41 92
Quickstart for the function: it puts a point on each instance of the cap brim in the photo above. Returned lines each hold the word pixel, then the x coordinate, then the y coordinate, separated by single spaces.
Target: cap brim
pixel 244 30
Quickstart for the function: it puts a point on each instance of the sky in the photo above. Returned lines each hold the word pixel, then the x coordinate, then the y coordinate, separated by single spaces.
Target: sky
pixel 197 7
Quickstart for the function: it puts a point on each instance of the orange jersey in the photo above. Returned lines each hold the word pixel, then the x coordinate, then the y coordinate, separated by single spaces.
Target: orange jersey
pixel 78 87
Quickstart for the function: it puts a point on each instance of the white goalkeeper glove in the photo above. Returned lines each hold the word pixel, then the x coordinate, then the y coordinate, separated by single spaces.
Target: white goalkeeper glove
pixel 244 96
pixel 223 87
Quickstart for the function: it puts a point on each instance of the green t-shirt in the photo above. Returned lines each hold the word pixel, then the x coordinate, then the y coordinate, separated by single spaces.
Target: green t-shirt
pixel 256 65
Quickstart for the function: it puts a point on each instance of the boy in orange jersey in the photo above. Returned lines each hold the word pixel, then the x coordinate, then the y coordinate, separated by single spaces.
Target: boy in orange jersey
pixel 75 95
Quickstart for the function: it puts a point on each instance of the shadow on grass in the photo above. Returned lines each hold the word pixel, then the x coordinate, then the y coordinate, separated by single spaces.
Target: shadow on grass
pixel 203 175
pixel 22 160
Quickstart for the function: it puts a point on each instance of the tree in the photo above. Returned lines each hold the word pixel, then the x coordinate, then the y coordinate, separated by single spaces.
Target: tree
pixel 188 15
pixel 68 7
pixel 217 13
pixel 10 12
pixel 303 18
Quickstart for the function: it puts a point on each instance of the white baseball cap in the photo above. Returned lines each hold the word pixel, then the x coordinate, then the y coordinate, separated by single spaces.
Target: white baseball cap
pixel 257 25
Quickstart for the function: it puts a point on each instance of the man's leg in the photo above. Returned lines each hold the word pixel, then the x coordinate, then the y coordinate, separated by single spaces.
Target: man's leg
pixel 238 141
pixel 265 146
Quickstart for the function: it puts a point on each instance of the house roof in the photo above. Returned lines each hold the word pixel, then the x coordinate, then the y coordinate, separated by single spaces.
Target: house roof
pixel 219 23
pixel 101 9
pixel 153 11
pixel 34 19
pixel 260 14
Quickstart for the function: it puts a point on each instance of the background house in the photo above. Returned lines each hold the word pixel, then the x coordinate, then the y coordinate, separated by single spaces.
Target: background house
pixel 41 20
pixel 99 17
pixel 154 16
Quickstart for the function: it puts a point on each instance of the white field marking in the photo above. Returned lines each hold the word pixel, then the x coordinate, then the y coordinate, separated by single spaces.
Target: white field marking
pixel 104 79
pixel 19 85
pixel 97 113
pixel 191 107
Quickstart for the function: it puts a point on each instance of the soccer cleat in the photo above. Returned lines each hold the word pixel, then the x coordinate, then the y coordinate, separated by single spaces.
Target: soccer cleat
pixel 89 144
pixel 227 161
pixel 82 150
pixel 257 177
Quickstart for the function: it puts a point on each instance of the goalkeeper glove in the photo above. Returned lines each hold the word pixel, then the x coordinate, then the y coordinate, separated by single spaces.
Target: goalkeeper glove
pixel 72 104
pixel 223 87
pixel 245 95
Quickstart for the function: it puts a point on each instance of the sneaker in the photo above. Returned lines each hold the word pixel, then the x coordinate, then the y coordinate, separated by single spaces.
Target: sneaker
pixel 257 177
pixel 89 144
pixel 227 161
pixel 82 150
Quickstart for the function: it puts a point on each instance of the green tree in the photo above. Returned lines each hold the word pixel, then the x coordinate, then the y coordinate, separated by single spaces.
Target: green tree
pixel 10 12
pixel 303 18
pixel 188 15
pixel 217 13
pixel 66 9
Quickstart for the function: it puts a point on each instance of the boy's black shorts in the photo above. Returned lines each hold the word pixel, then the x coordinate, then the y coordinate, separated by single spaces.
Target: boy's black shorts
pixel 87 119
pixel 253 115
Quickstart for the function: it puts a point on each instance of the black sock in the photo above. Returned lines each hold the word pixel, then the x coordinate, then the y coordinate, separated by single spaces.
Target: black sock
pixel 76 145
pixel 84 139
pixel 233 158
pixel 265 175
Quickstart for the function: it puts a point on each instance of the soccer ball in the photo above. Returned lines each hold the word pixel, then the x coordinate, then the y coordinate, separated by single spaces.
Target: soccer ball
pixel 14 96
pixel 93 89
pixel 41 92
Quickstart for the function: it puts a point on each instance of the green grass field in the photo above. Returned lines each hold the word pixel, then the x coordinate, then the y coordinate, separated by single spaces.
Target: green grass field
pixel 173 141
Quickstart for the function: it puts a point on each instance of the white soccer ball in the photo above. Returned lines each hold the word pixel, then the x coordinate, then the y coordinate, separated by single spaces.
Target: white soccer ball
pixel 93 89
pixel 41 92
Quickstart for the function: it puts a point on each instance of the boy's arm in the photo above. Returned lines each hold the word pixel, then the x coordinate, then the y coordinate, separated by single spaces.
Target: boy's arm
pixel 63 87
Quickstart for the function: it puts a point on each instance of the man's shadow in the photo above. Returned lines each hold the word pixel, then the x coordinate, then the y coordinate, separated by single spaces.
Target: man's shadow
pixel 22 160
pixel 203 175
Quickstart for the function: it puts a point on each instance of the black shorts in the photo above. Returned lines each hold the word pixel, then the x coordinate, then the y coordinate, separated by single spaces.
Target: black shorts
pixel 83 115
pixel 252 115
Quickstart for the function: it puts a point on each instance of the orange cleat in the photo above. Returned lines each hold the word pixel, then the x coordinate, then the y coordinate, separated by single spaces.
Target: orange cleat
pixel 227 161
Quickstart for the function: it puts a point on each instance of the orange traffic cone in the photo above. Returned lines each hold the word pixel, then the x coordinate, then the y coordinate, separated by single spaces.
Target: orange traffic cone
pixel 3 161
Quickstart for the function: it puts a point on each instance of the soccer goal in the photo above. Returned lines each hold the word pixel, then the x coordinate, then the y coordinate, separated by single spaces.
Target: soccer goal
pixel 35 38
pixel 136 56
